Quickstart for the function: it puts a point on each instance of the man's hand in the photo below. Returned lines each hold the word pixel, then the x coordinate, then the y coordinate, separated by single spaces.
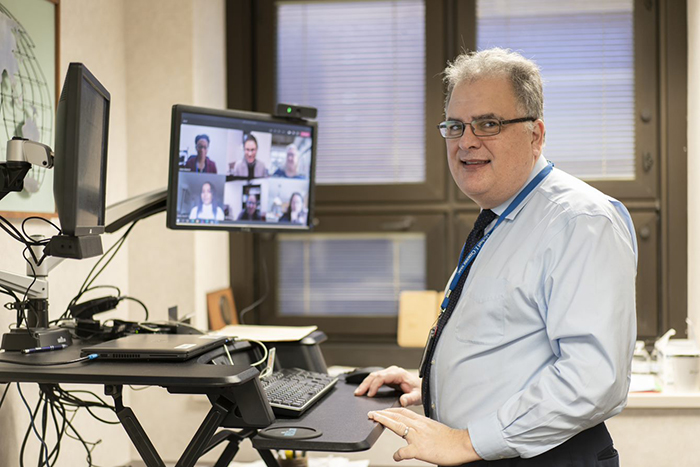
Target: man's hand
pixel 394 377
pixel 428 440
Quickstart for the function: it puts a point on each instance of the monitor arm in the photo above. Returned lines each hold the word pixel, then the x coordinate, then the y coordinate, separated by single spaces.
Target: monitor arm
pixel 135 208
pixel 21 155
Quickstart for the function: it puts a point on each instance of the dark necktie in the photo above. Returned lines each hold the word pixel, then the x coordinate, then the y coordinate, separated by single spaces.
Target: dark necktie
pixel 485 218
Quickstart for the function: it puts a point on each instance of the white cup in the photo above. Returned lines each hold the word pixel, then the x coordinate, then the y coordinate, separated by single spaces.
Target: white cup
pixel 684 373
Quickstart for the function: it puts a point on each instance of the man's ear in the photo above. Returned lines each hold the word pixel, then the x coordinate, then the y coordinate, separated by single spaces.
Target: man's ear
pixel 537 140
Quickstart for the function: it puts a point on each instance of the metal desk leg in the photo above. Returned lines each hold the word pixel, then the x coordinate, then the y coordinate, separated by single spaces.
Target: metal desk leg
pixel 204 435
pixel 268 457
pixel 134 429
pixel 234 439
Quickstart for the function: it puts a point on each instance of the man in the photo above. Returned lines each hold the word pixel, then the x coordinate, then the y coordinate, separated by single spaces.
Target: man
pixel 201 162
pixel 249 166
pixel 533 351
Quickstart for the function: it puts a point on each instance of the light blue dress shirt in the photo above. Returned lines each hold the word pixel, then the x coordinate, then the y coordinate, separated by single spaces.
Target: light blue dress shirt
pixel 539 347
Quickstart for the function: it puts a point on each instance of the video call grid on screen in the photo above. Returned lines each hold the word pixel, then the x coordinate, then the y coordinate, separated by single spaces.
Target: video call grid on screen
pixel 240 170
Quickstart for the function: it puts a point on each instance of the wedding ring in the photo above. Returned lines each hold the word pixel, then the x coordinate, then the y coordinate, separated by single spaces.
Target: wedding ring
pixel 405 433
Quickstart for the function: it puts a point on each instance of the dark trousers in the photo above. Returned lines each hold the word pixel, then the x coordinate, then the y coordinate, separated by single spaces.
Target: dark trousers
pixel 590 448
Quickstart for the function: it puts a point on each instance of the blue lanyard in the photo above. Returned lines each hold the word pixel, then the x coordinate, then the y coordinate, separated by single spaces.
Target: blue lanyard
pixel 472 254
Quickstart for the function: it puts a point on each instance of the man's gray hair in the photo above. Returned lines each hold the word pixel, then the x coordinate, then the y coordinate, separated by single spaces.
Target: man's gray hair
pixel 523 74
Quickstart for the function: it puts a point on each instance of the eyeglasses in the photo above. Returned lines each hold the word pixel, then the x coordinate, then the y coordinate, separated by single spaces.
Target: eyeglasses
pixel 482 127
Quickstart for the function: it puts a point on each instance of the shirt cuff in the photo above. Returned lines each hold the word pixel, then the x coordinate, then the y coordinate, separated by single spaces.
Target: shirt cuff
pixel 487 439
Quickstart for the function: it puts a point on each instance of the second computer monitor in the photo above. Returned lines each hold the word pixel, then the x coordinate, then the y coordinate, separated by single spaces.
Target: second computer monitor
pixel 240 170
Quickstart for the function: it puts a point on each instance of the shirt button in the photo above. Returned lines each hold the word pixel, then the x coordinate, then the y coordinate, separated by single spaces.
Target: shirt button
pixel 432 406
pixel 432 362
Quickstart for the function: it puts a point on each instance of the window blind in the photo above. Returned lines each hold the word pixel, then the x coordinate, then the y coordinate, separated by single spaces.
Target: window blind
pixel 586 53
pixel 348 275
pixel 362 64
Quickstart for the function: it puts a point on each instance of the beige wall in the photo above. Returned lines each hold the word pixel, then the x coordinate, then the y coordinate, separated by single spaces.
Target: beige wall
pixel 92 33
pixel 149 55
pixel 694 161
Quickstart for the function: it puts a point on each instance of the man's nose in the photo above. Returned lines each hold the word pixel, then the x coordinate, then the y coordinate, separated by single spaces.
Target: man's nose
pixel 469 140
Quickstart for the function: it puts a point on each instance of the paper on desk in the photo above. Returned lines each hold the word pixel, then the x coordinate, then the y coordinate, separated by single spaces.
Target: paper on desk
pixel 266 333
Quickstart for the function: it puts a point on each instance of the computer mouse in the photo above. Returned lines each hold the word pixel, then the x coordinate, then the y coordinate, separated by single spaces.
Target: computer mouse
pixel 359 374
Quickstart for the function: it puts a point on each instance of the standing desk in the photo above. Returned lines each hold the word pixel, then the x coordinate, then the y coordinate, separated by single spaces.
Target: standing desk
pixel 237 399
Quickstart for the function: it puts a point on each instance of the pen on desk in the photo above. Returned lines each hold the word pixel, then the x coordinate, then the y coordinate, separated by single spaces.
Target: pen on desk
pixel 46 348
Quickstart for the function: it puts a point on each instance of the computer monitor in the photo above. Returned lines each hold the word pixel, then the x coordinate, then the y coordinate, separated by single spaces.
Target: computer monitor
pixel 80 175
pixel 234 170
pixel 80 170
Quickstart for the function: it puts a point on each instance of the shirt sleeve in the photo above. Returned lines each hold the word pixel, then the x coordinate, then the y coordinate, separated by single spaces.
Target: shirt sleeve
pixel 587 303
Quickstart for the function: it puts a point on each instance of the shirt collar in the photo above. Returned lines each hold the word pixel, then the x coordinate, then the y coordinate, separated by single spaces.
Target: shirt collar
pixel 540 164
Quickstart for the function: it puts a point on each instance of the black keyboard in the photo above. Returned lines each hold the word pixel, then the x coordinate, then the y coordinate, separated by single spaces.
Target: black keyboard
pixel 292 391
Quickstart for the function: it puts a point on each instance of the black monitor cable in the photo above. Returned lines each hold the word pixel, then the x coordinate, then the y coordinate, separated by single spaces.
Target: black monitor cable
pixel 23 237
pixel 32 427
pixel 56 410
pixel 87 358
pixel 143 305
pixel 92 275
pixel 4 394
pixel 27 240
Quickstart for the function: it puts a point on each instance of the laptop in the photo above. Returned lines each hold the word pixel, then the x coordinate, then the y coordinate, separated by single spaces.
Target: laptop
pixel 159 347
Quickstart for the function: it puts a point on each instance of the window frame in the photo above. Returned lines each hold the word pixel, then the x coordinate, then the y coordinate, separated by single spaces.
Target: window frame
pixel 645 186
pixel 367 327
pixel 660 27
pixel 434 186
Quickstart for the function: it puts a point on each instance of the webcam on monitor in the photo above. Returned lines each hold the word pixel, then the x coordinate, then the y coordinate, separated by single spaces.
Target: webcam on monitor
pixel 295 111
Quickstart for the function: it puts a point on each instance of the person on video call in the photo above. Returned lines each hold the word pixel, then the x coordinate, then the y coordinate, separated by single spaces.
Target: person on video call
pixel 290 169
pixel 207 208
pixel 251 211
pixel 250 166
pixel 200 162
pixel 532 350
pixel 296 211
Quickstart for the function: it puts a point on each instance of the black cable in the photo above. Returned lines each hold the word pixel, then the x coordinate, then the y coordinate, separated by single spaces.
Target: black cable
pixel 4 394
pixel 80 438
pixel 145 308
pixel 68 318
pixel 61 403
pixel 11 230
pixel 44 420
pixel 44 241
pixel 32 417
pixel 77 360
pixel 9 292
pixel 260 300
pixel 114 249
pixel 24 445
pixel 55 453
pixel 21 315
pixel 59 431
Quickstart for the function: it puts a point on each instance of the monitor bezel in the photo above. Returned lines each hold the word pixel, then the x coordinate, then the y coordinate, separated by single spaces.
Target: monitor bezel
pixel 67 180
pixel 238 226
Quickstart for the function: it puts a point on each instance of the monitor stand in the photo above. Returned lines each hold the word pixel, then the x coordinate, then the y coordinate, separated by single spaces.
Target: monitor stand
pixel 28 338
pixel 35 286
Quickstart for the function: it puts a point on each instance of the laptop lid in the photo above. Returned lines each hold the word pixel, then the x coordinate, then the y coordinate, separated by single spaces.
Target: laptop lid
pixel 163 347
